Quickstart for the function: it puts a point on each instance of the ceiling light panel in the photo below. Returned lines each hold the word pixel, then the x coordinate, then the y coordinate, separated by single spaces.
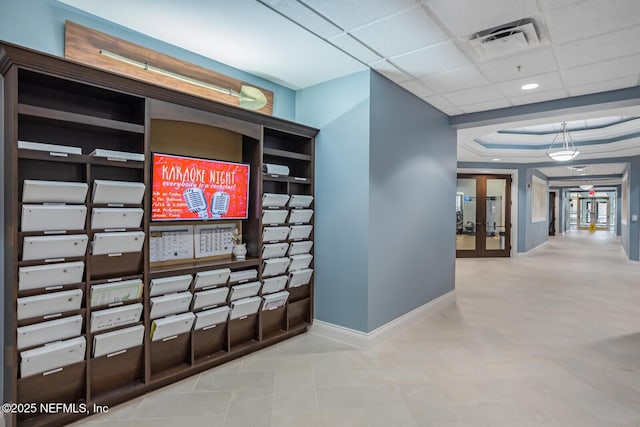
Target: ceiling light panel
pixel 458 79
pixel 539 61
pixel 603 86
pixel 547 82
pixel 431 60
pixel 592 18
pixel 606 70
pixel 350 14
pixel 391 72
pixel 531 98
pixel 464 17
pixel 474 95
pixel 355 48
pixel 410 30
pixel 304 16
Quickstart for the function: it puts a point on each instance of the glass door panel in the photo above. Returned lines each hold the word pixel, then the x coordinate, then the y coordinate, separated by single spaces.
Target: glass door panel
pixel 495 225
pixel 602 214
pixel 466 214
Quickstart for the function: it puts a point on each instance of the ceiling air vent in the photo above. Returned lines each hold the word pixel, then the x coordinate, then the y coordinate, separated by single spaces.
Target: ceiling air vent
pixel 506 39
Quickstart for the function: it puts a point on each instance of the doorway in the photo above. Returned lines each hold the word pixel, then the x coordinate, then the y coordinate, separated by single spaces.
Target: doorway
pixel 483 216
pixel 552 213
pixel 593 209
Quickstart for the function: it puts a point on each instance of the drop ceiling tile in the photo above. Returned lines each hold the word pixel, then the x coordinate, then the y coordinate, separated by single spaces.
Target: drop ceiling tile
pixel 460 78
pixel 436 59
pixel 547 82
pixel 418 88
pixel 602 71
pixel 604 86
pixel 485 106
pixel 391 72
pixel 464 18
pixel 304 16
pixel 474 95
pixel 591 18
pixel 439 102
pixel 355 48
pixel 600 48
pixel 560 4
pixel 349 14
pixel 411 29
pixel 539 61
pixel 538 97
pixel 453 111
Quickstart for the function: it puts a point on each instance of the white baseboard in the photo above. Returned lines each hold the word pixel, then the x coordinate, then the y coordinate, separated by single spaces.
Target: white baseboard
pixel 366 340
pixel 535 249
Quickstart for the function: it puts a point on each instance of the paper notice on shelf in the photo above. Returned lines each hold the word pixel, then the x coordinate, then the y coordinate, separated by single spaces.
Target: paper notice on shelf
pixel 213 239
pixel 170 242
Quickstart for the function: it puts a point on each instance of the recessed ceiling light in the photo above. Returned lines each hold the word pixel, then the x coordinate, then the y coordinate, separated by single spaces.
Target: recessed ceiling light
pixel 529 86
pixel 496 160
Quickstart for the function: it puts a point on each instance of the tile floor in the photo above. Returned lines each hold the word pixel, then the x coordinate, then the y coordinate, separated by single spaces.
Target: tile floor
pixel 547 339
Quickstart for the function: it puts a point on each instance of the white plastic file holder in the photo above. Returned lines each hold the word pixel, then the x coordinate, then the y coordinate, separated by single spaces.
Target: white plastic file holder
pixel 300 262
pixel 117 243
pixel 171 326
pixel 166 285
pixel 245 307
pixel 245 290
pixel 274 200
pixel 170 304
pixel 54 247
pixel 52 357
pixel 49 331
pixel 208 318
pixel 303 247
pixel 35 191
pixel 60 150
pixel 116 218
pixel 300 201
pixel 50 276
pixel 117 192
pixel 274 216
pixel 274 266
pixel 50 304
pixel 300 232
pixel 300 277
pixel 243 275
pixel 275 234
pixel 300 216
pixel 273 301
pixel 53 217
pixel 114 317
pixel 118 155
pixel 114 342
pixel 211 278
pixel 210 298
pixel 274 284
pixel 117 292
pixel 274 250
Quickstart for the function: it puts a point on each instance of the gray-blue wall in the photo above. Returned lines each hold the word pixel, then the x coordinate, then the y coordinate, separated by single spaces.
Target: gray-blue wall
pixel 530 234
pixel 633 230
pixel 411 210
pixel 39 25
pixel 340 109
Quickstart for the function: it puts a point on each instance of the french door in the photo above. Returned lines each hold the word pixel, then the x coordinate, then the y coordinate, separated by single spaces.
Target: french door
pixel 483 216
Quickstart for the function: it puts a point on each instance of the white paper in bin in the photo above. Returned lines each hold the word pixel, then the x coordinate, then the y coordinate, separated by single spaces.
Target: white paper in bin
pixel 245 290
pixel 114 317
pixel 52 356
pixel 274 284
pixel 300 232
pixel 35 191
pixel 300 262
pixel 170 304
pixel 210 298
pixel 303 247
pixel 300 201
pixel 52 247
pixel 115 341
pixel 300 216
pixel 274 200
pixel 118 242
pixel 102 218
pixel 205 279
pixel 245 307
pixel 273 301
pixel 300 277
pixel 117 192
pixel 166 285
pixel 275 234
pixel 274 250
pixel 274 216
pixel 49 331
pixel 211 317
pixel 241 275
pixel 274 266
pixel 53 217
pixel 44 276
pixel 172 325
pixel 51 303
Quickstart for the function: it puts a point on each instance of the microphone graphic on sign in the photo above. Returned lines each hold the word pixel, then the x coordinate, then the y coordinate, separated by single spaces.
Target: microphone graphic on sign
pixel 220 204
pixel 196 202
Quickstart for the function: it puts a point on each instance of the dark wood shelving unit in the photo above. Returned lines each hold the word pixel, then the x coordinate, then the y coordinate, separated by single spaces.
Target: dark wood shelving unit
pixel 54 101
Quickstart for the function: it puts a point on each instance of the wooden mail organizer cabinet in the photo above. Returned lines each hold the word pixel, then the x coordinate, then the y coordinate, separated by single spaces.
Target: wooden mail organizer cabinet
pixel 89 319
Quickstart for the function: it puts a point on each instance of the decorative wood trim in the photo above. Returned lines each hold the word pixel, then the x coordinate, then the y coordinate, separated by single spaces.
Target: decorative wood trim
pixel 84 44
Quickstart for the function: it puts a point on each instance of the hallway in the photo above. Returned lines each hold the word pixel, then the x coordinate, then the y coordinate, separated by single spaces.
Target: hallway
pixel 547 339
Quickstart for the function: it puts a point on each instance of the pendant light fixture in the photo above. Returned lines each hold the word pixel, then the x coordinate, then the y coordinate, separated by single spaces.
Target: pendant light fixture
pixel 565 150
